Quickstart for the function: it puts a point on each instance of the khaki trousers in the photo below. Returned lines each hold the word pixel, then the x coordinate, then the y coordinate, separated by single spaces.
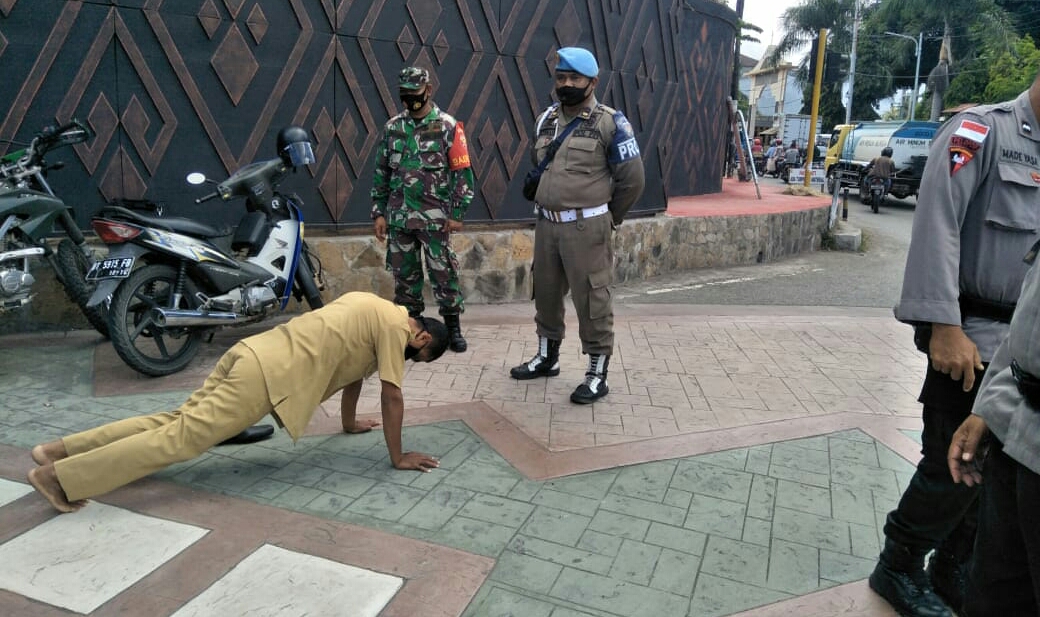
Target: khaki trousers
pixel 578 256
pixel 231 399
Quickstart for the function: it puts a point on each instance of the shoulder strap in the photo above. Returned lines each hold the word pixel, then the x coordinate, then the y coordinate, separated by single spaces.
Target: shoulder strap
pixel 556 143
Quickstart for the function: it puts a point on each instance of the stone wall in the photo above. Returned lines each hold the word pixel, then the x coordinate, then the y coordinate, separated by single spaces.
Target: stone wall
pixel 496 264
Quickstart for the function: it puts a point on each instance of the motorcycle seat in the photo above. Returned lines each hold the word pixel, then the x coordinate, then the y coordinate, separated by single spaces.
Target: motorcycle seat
pixel 179 225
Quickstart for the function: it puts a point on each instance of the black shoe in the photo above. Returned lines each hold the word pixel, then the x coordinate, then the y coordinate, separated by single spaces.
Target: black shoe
pixel 592 389
pixel 949 579
pixel 252 434
pixel 456 342
pixel 545 364
pixel 909 593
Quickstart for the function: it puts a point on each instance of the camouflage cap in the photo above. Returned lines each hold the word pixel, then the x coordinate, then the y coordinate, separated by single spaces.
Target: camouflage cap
pixel 412 78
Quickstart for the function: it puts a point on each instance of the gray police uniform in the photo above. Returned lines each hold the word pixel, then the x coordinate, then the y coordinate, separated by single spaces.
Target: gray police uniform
pixel 586 189
pixel 1002 579
pixel 977 215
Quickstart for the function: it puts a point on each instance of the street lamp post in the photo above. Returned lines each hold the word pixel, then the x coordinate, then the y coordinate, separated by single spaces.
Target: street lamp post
pixel 917 68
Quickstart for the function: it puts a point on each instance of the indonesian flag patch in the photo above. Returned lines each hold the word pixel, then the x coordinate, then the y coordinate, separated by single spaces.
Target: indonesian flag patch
pixel 965 142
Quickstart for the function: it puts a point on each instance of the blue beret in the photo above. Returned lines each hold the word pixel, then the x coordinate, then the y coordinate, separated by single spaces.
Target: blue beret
pixel 578 60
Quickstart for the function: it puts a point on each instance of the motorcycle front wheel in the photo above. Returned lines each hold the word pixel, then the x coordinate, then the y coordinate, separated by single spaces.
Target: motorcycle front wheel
pixel 139 341
pixel 72 264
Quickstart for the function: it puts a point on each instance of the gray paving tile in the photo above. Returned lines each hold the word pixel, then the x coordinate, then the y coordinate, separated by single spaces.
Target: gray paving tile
pixel 386 501
pixel 619 525
pixel 812 530
pixel 802 458
pixel 803 497
pixel 345 484
pixel 336 461
pixel 644 509
pixel 852 505
pixel 437 507
pixel 297 497
pixel 797 475
pixel 862 452
pixel 525 490
pixel 500 602
pixel 736 560
pixel 763 497
pixel 484 478
pixel 600 543
pixel 758 459
pixel 621 598
pixel 881 482
pixel 757 531
pixel 648 481
pixel 735 459
pixel 325 504
pixel 566 501
pixel 866 540
pixel 841 568
pixel 475 536
pixel 298 473
pixel 592 485
pixel 635 562
pixel 677 498
pixel 225 473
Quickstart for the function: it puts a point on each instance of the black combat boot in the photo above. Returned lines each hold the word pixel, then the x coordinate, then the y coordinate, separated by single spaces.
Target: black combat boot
pixel 546 362
pixel 455 340
pixel 595 385
pixel 949 578
pixel 900 579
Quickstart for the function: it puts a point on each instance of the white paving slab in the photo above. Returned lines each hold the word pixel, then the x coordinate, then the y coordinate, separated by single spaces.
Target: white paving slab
pixel 80 561
pixel 9 491
pixel 276 582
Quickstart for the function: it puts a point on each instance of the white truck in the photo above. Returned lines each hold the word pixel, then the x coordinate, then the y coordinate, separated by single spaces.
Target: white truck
pixel 854 146
pixel 795 127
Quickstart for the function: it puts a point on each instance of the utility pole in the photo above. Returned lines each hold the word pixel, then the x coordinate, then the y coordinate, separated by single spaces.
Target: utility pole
pixel 735 87
pixel 810 151
pixel 852 61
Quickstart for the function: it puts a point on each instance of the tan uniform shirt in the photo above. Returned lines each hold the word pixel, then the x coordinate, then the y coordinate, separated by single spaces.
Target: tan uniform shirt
pixel 598 163
pixel 317 354
pixel 977 214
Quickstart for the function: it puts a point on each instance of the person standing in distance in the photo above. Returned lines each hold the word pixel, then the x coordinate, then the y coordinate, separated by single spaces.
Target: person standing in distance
pixel 976 215
pixel 423 186
pixel 584 193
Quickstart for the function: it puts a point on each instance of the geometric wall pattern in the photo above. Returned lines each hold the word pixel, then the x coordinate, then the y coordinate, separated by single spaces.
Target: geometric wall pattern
pixel 173 86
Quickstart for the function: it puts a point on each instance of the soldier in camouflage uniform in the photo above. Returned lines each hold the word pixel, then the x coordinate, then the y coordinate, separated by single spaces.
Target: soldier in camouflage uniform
pixel 423 186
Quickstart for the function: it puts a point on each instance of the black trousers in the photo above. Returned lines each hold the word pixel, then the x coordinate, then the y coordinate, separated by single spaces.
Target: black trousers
pixel 934 512
pixel 1005 572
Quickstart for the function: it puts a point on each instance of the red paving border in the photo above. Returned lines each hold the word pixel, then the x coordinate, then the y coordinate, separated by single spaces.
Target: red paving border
pixel 739 199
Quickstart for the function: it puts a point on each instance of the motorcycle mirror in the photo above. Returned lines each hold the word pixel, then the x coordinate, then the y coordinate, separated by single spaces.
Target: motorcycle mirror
pixel 196 178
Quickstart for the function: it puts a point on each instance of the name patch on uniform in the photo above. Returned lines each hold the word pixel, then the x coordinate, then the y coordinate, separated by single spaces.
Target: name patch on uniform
pixel 624 146
pixel 965 142
pixel 1007 154
pixel 458 154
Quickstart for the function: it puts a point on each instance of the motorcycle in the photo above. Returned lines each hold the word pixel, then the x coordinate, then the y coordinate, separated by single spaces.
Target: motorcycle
pixel 173 280
pixel 876 191
pixel 29 210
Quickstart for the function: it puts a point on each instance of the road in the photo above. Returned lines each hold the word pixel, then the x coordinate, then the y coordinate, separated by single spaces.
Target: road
pixel 869 278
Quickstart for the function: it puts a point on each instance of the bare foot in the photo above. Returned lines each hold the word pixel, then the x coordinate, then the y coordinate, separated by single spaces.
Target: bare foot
pixel 45 481
pixel 49 452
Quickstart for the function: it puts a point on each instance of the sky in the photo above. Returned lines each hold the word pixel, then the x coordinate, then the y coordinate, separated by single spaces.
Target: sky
pixel 766 15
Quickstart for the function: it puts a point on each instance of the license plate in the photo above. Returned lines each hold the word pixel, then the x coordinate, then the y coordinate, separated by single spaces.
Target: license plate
pixel 118 268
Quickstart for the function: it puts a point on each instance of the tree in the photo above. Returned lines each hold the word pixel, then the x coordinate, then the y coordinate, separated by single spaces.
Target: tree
pixel 1013 72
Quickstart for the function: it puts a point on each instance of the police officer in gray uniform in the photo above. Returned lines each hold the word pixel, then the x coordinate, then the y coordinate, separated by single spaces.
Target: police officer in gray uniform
pixel 584 192
pixel 1005 571
pixel 977 214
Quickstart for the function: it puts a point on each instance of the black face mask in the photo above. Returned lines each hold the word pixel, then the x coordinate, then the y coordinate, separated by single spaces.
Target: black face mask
pixel 415 102
pixel 571 95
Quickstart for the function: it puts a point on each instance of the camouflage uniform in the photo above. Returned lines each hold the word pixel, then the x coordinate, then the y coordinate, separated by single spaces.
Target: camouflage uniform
pixel 417 188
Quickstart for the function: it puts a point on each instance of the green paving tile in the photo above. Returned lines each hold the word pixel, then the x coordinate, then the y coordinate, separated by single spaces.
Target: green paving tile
pixel 881 481
pixel 436 439
pixel 483 478
pixel 736 560
pixel 793 568
pixel 297 497
pixel 763 497
pixel 635 562
pixel 648 481
pixel 801 458
pixel 336 461
pixel 678 499
pixel 860 452
pixel 716 596
pixel 644 509
pixel 757 531
pixel 562 611
pixel 526 572
pixel 675 572
pixel 498 510
pixel 555 525
pixel 566 501
pixel 715 516
pixel 621 598
pixel 853 434
pixel 345 484
pixel 266 489
pixel 298 473
pixel 812 530
pixel 841 568
pixel 592 485
pixel 619 525
pixel 797 475
pixel 475 536
pixel 525 490
pixel 684 540
pixel 437 507
pixel 461 452
pixel 704 479
pixel 386 501
pixel 887 459
pixel 866 540
pixel 758 459
pixel 562 555
pixel 735 460
pixel 600 543
pixel 819 442
pixel 499 602
pixel 225 473
pixel 804 497
pixel 325 504
pixel 852 505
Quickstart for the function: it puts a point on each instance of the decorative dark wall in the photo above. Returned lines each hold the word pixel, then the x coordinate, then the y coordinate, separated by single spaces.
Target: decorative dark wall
pixel 204 85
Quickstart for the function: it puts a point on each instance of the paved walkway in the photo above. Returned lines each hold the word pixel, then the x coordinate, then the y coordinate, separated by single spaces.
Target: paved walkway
pixel 743 461
pixel 742 464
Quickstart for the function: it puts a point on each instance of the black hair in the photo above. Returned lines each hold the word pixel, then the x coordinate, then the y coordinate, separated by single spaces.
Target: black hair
pixel 439 336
